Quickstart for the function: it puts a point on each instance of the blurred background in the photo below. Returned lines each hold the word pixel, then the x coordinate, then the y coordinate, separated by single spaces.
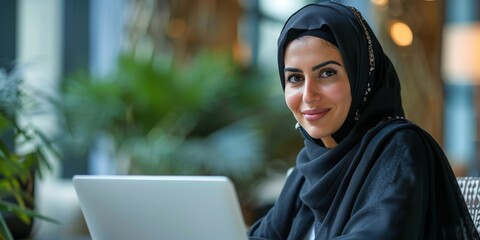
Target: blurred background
pixel 191 87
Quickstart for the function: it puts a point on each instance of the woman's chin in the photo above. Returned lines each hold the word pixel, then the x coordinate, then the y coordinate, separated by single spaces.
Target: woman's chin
pixel 316 133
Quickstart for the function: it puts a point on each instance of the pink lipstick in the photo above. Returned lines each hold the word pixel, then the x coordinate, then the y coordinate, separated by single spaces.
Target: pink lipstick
pixel 315 114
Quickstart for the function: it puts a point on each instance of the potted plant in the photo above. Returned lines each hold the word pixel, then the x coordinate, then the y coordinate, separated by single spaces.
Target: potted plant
pixel 23 157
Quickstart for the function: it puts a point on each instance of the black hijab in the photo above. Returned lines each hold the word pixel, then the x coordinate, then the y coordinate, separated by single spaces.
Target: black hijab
pixel 328 186
pixel 372 76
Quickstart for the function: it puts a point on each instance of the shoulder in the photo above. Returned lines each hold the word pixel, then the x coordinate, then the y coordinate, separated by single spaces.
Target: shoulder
pixel 398 157
pixel 396 144
pixel 398 132
pixel 407 137
pixel 401 147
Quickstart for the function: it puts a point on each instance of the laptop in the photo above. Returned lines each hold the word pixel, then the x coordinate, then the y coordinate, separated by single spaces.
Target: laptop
pixel 160 207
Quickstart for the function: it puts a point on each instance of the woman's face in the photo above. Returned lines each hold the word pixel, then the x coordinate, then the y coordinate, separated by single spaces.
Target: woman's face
pixel 317 89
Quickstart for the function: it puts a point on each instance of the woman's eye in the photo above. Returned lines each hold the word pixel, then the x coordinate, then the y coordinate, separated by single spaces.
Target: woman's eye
pixel 294 78
pixel 328 73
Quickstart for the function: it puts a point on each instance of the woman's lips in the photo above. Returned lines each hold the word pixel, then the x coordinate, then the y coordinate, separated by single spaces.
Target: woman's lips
pixel 314 114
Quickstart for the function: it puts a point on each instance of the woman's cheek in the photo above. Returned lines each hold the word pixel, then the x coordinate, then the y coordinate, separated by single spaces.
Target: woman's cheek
pixel 292 98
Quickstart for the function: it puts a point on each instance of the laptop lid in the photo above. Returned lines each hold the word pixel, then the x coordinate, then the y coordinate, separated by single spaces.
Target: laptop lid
pixel 160 207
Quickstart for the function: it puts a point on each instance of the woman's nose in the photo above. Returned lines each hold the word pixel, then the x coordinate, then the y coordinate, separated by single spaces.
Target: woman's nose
pixel 311 91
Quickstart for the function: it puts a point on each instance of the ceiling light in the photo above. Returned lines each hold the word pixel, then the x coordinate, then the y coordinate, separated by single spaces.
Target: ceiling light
pixel 401 34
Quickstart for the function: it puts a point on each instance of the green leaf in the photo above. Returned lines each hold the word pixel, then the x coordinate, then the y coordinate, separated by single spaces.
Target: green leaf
pixel 13 208
pixel 4 231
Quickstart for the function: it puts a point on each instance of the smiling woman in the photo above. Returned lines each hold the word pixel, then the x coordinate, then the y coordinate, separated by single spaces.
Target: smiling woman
pixel 317 89
pixel 365 172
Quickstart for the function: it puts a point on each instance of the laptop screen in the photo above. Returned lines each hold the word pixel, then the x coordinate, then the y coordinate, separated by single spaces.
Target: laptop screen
pixel 160 207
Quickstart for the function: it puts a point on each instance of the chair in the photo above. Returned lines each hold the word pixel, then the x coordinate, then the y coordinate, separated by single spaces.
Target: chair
pixel 470 187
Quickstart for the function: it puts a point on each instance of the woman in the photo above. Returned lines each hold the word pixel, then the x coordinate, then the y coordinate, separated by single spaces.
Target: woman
pixel 365 171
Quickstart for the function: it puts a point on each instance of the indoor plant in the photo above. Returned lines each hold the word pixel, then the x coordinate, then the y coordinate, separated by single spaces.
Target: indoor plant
pixel 23 156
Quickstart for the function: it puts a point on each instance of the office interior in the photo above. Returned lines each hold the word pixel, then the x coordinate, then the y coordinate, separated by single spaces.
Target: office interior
pixel 190 87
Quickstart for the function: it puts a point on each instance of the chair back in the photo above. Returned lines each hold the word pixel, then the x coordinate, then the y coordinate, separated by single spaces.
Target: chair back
pixel 470 187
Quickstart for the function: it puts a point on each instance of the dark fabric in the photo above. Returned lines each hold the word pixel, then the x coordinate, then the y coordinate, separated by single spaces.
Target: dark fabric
pixel 394 184
pixel 325 34
pixel 386 178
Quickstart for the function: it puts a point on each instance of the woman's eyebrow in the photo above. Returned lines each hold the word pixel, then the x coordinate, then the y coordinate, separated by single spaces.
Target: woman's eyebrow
pixel 289 69
pixel 324 64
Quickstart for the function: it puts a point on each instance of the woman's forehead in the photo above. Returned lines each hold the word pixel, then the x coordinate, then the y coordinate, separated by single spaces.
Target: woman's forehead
pixel 308 44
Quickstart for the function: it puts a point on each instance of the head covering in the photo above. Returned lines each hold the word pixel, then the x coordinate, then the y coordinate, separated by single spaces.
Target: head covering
pixel 374 84
pixel 387 178
pixel 323 33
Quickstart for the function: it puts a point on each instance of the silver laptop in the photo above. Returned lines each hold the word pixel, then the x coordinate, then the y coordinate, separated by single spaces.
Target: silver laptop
pixel 160 207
